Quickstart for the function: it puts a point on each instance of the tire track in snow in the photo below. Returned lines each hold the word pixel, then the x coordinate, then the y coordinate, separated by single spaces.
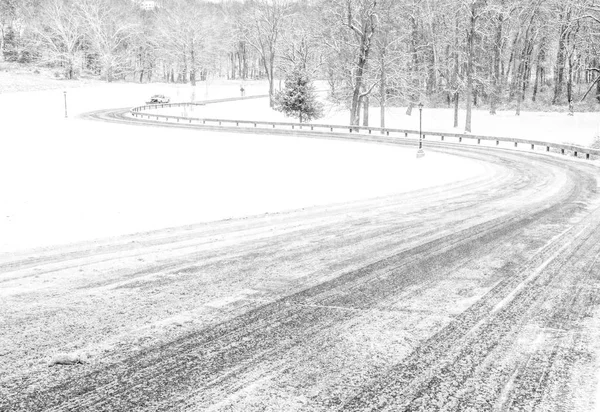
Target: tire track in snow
pixel 212 360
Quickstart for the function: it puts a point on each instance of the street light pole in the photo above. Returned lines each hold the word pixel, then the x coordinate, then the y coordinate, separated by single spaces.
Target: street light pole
pixel 420 152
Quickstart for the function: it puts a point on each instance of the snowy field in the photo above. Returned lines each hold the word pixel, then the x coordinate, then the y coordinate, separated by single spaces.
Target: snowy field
pixel 580 129
pixel 67 180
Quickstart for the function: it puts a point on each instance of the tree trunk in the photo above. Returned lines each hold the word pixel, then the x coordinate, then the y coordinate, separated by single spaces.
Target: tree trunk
pixel 594 83
pixel 524 71
pixel 269 67
pixel 355 107
pixel 519 99
pixel 496 83
pixel 456 71
pixel 233 65
pixel 469 91
pixel 365 105
pixel 538 71
pixel 271 93
pixel 2 36
pixel 192 64
pixel 245 62
pixel 358 84
pixel 415 64
pixel 382 95
pixel 456 109
pixel 570 82
pixel 560 61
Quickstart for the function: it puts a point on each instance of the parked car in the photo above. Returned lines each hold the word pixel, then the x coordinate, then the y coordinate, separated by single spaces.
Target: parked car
pixel 158 99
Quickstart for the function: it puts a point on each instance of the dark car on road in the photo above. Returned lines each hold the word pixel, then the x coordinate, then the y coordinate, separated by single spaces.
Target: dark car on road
pixel 158 98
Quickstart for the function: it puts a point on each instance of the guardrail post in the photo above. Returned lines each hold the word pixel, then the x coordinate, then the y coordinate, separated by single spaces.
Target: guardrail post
pixel 587 156
pixel 562 151
pixel 442 138
pixel 575 154
pixel 532 146
pixel 254 124
pixel 331 129
pixel 350 130
pixel 203 121
pixel 237 123
pixel 292 126
pixel 369 131
pixel 497 142
pixel 388 132
pixel 515 144
pixel 312 127
pixel 547 148
pixel 478 141
pixel 405 134
pixel 219 123
pixel 273 126
pixel 459 139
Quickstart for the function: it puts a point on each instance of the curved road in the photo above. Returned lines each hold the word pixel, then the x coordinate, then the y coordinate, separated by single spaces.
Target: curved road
pixel 479 295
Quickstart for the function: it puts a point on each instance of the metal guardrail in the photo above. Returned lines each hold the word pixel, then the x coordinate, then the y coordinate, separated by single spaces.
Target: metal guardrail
pixel 562 148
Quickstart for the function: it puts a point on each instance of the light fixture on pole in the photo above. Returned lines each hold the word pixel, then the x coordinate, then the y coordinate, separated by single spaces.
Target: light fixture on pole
pixel 420 152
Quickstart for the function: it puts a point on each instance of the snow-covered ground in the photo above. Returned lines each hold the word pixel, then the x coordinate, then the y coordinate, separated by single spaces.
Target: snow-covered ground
pixel 66 180
pixel 581 129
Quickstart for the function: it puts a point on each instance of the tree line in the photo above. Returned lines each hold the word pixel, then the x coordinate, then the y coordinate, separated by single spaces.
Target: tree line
pixel 459 53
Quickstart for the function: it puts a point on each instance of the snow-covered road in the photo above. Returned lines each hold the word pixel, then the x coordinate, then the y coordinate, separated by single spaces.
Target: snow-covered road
pixel 466 280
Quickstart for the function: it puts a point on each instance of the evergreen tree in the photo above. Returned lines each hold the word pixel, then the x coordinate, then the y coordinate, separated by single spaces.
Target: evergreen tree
pixel 11 49
pixel 298 97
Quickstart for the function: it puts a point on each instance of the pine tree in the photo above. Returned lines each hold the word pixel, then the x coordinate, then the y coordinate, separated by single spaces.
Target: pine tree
pixel 10 51
pixel 298 97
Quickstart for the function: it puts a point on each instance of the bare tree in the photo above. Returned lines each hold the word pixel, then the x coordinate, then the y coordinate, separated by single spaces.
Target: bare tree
pixel 108 28
pixel 354 24
pixel 59 33
pixel 261 27
pixel 475 9
pixel 389 55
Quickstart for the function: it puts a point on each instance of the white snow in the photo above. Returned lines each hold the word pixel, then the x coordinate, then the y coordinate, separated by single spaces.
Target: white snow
pixel 66 180
pixel 551 127
pixel 542 126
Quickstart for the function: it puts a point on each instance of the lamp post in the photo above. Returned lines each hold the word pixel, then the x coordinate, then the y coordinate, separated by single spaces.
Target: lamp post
pixel 420 152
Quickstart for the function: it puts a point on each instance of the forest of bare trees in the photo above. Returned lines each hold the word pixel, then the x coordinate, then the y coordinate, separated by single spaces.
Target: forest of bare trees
pixel 493 54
